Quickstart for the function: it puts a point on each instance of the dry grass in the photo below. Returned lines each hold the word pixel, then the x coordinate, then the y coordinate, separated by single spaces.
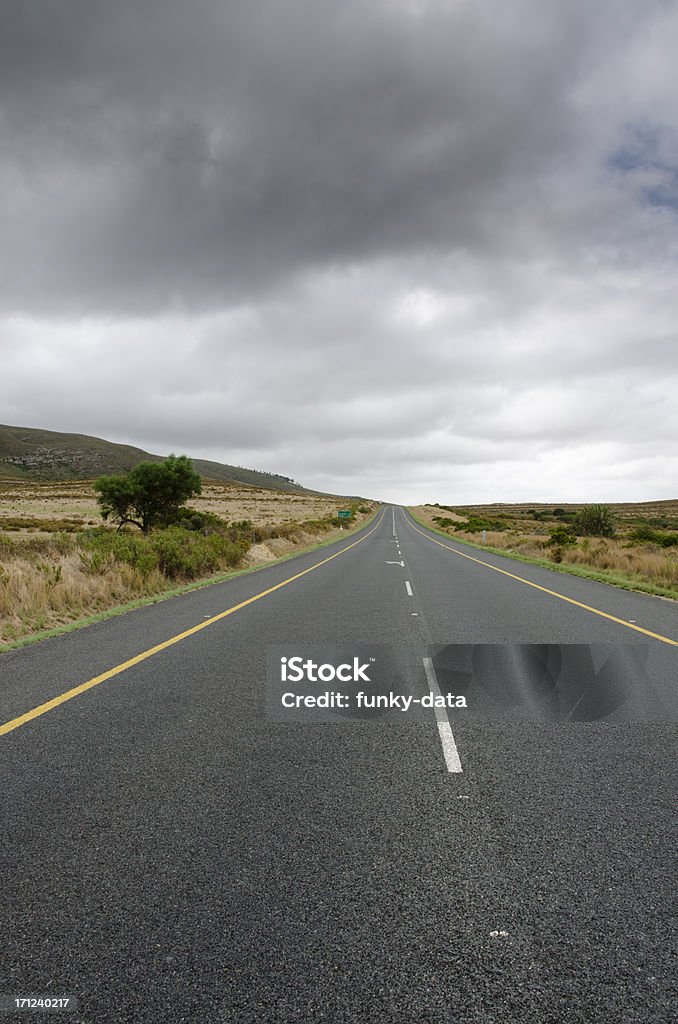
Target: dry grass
pixel 524 534
pixel 624 511
pixel 47 506
pixel 43 594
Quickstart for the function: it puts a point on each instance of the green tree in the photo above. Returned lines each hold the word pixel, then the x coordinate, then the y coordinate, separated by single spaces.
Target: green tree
pixel 151 494
pixel 595 521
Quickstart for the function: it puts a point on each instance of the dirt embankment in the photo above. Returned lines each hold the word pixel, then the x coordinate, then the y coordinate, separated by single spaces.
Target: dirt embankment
pixel 276 547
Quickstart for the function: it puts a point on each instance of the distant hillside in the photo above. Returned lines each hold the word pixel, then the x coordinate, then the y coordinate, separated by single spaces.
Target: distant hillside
pixel 29 454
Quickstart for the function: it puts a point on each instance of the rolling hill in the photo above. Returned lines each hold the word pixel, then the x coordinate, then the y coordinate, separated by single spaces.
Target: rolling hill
pixel 30 454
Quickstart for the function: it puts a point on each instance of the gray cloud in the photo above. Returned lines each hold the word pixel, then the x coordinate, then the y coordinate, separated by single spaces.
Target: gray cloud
pixel 165 154
pixel 418 249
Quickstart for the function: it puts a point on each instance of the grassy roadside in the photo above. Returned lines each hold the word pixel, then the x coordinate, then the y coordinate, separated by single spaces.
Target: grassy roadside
pixel 615 579
pixel 177 590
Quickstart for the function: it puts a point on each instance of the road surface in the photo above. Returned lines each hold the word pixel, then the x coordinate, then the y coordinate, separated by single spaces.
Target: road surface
pixel 176 849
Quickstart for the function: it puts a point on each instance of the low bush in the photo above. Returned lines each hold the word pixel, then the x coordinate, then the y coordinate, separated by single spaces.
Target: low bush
pixel 476 524
pixel 444 521
pixel 16 523
pixel 595 521
pixel 194 519
pixel 176 552
pixel 647 535
pixel 562 538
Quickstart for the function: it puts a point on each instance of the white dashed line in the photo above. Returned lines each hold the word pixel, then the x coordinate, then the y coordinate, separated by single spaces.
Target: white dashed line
pixel 408 588
pixel 450 752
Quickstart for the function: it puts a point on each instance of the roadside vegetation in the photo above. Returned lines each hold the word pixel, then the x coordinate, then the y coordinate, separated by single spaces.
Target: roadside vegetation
pixel 59 569
pixel 629 545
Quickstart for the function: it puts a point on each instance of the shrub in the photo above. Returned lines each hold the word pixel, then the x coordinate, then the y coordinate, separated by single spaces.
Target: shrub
pixel 476 524
pixel 179 554
pixel 242 524
pixel 646 535
pixel 562 537
pixel 52 574
pixel 184 555
pixel 96 563
pixel 103 547
pixel 193 519
pixel 595 521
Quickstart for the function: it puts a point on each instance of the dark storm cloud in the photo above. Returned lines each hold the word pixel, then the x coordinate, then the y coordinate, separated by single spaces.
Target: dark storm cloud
pixel 162 153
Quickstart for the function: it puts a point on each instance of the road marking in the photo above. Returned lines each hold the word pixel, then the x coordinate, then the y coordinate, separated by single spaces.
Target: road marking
pixel 49 705
pixel 545 590
pixel 396 563
pixel 450 752
pixel 408 588
pixel 394 533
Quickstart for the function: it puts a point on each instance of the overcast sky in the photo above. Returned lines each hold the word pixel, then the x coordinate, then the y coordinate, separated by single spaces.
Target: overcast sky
pixel 422 250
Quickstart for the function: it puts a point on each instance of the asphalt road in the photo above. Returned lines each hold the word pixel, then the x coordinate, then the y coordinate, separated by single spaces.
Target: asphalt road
pixel 177 848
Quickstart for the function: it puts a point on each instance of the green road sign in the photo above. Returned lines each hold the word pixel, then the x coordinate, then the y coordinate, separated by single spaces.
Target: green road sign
pixel 344 513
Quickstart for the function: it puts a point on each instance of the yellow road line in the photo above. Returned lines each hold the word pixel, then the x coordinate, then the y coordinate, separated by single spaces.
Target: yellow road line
pixel 42 709
pixel 545 590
